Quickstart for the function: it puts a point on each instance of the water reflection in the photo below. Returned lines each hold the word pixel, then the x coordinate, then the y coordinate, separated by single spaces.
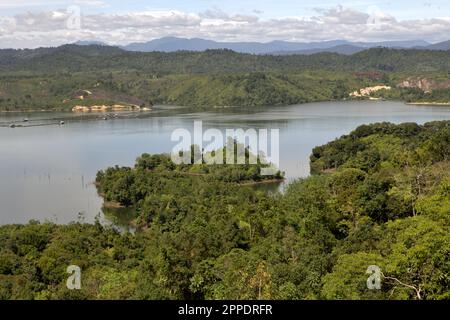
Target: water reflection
pixel 121 217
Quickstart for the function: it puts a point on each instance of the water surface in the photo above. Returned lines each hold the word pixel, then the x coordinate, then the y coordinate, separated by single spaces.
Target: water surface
pixel 47 170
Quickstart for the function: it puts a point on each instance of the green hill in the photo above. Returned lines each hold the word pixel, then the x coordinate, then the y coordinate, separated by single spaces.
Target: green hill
pixel 46 78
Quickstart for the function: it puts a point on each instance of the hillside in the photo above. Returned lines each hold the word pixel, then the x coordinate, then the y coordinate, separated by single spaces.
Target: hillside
pixel 47 78
pixel 94 58
pixel 340 49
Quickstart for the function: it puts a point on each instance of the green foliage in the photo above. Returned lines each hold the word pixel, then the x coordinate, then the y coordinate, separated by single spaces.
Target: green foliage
pixel 348 278
pixel 380 196
pixel 71 58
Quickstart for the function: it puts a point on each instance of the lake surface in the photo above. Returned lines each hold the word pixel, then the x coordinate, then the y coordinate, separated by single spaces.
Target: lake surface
pixel 47 170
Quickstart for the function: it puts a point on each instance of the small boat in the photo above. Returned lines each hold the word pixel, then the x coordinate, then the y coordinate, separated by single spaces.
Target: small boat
pixel 12 125
pixel 61 123
pixel 25 120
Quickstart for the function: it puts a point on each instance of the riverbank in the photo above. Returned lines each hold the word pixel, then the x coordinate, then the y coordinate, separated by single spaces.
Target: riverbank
pixel 429 103
pixel 82 109
pixel 108 108
pixel 33 111
pixel 117 108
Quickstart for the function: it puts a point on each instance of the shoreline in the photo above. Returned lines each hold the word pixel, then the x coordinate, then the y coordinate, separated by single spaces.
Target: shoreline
pixel 74 112
pixel 112 205
pixel 209 107
pixel 199 108
pixel 34 111
pixel 428 103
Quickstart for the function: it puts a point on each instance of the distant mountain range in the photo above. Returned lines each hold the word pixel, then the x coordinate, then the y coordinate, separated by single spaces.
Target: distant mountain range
pixel 171 44
pixel 340 49
pixel 439 46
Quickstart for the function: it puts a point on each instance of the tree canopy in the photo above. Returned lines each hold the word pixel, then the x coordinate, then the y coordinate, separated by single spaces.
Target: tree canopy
pixel 379 196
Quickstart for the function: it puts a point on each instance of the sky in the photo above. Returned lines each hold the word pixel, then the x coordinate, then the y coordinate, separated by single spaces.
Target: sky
pixel 36 23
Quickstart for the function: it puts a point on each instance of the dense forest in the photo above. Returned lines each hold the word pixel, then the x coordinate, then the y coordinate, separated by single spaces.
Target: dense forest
pixel 51 78
pixel 73 58
pixel 377 196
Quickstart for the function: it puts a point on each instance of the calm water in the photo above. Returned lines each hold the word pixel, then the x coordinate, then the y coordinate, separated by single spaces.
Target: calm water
pixel 47 170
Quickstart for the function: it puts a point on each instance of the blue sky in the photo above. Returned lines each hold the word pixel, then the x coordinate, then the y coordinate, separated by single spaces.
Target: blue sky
pixel 39 23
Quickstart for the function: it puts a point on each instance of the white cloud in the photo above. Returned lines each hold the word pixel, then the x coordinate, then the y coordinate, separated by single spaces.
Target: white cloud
pixel 41 3
pixel 93 3
pixel 49 28
pixel 219 15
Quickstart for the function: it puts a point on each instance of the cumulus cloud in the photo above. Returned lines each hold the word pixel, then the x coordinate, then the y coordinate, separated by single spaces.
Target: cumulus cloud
pixel 51 28
pixel 340 15
pixel 140 21
pixel 217 14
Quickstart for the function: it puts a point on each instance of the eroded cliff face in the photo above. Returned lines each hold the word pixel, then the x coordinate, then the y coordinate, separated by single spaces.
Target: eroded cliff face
pixel 365 92
pixel 424 84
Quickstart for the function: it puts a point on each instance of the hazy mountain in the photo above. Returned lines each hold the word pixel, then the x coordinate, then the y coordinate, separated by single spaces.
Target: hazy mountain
pixel 341 49
pixel 170 44
pixel 393 44
pixel 440 46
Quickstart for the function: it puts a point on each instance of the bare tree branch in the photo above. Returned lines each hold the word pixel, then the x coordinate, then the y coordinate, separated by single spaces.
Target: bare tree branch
pixel 417 289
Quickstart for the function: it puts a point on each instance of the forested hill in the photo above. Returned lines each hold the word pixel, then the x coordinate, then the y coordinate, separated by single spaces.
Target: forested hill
pixel 93 57
pixel 55 78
